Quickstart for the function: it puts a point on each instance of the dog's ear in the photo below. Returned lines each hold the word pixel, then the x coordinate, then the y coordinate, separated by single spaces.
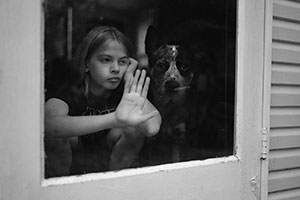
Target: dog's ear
pixel 152 41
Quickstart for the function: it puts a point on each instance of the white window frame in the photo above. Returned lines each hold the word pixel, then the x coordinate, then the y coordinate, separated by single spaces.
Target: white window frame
pixel 21 146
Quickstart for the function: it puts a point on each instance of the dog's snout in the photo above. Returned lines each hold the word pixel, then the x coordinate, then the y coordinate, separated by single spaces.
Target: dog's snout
pixel 171 85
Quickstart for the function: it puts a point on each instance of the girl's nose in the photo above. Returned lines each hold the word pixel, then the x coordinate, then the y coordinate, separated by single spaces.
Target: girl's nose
pixel 115 68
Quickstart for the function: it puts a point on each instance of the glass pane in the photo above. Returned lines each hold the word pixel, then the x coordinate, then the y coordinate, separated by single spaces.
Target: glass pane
pixel 188 50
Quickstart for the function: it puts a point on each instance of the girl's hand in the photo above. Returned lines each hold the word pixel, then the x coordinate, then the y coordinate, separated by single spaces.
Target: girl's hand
pixel 130 110
pixel 130 70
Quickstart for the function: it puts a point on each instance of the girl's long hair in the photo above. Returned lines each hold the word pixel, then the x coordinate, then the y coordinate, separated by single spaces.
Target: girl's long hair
pixel 97 37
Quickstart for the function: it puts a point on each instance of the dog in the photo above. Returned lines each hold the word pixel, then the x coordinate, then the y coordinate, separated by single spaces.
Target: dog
pixel 185 88
pixel 171 72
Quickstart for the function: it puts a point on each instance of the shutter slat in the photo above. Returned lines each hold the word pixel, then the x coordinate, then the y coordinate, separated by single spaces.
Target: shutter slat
pixel 285 99
pixel 285 195
pixel 284 121
pixel 285 56
pixel 286 12
pixel 284 180
pixel 286 34
pixel 284 138
pixel 284 159
pixel 291 78
pixel 285 89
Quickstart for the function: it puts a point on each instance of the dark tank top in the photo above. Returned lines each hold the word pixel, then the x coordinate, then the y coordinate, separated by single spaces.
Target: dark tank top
pixel 92 152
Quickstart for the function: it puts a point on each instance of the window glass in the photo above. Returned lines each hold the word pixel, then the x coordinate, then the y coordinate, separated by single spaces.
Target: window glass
pixel 188 50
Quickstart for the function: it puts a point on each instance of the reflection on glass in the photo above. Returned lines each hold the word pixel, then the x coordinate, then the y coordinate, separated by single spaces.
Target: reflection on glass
pixel 188 50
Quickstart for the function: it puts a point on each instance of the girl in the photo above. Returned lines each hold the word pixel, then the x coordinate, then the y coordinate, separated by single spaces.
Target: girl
pixel 104 127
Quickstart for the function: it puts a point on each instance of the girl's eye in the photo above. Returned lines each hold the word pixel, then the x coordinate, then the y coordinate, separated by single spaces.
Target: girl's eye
pixel 104 60
pixel 124 62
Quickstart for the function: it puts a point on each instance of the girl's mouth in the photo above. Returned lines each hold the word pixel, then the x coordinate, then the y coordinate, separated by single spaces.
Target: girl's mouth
pixel 114 80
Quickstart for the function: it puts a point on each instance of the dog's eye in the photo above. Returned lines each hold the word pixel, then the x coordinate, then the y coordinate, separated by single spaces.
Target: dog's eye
pixel 183 67
pixel 161 65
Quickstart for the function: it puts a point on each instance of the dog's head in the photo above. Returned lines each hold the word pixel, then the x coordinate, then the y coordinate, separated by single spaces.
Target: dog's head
pixel 169 66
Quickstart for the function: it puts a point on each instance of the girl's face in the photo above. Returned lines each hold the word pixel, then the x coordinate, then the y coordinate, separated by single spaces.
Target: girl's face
pixel 107 66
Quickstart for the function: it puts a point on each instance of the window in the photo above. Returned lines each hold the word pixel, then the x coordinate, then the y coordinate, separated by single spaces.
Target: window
pixel 196 100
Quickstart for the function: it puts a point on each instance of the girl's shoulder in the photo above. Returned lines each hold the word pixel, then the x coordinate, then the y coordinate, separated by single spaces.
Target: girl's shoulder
pixel 55 106
pixel 72 96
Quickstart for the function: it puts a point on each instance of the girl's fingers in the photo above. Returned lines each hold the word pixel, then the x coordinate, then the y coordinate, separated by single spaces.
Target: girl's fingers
pixel 135 81
pixel 132 66
pixel 127 86
pixel 145 88
pixel 141 82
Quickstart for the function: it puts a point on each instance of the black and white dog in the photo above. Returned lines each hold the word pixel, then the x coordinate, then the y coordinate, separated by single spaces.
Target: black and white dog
pixel 187 91
pixel 172 70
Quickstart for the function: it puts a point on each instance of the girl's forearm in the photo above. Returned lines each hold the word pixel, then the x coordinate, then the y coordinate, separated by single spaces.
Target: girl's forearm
pixel 69 126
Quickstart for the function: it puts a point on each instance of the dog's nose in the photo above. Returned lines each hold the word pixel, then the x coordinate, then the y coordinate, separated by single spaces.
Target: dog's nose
pixel 171 85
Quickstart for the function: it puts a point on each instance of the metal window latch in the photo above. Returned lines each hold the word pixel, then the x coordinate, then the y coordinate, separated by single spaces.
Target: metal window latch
pixel 264 143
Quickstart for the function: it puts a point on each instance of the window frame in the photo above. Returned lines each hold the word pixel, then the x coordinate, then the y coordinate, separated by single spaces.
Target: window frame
pixel 233 177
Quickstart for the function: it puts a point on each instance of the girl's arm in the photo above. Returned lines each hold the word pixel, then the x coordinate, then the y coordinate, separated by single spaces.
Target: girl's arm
pixel 59 124
pixel 130 112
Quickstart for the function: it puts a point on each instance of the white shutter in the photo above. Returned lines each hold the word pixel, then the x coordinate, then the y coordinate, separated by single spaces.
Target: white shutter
pixel 284 156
